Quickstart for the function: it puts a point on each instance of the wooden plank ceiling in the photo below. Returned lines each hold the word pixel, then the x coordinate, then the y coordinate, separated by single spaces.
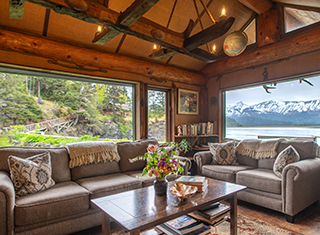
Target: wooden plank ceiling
pixel 174 15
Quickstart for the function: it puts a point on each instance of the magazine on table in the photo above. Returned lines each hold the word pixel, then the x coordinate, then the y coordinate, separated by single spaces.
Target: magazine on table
pixel 194 180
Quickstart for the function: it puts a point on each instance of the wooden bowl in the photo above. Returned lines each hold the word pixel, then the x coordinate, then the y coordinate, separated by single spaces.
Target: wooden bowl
pixel 183 191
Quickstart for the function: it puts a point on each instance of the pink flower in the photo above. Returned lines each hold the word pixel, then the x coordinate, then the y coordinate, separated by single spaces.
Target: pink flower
pixel 152 148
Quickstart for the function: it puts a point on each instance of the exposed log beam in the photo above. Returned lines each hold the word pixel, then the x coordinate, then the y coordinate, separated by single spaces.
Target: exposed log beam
pixel 213 32
pixel 16 9
pixel 36 46
pixel 142 28
pixel 289 47
pixel 268 28
pixel 259 6
pixel 134 12
pixel 192 43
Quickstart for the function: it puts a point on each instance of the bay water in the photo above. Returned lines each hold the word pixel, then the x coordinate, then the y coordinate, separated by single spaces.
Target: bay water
pixel 241 133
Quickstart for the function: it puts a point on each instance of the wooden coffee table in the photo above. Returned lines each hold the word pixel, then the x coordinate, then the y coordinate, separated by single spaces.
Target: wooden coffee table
pixel 141 209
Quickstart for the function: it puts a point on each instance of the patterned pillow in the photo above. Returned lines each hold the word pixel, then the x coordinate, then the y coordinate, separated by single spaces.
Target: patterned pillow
pixel 223 153
pixel 285 157
pixel 32 174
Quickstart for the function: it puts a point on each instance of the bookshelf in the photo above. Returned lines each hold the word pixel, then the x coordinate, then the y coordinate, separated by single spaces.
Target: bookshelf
pixel 197 141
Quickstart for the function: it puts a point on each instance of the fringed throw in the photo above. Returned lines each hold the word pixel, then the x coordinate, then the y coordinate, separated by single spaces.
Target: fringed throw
pixel 84 153
pixel 258 149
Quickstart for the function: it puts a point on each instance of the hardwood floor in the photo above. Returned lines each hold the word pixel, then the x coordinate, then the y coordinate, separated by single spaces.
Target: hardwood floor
pixel 306 222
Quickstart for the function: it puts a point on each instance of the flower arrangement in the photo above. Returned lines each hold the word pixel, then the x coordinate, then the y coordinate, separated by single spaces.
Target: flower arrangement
pixel 159 162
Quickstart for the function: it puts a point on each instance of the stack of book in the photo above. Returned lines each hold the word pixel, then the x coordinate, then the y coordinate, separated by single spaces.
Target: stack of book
pixel 205 128
pixel 199 181
pixel 183 225
pixel 213 214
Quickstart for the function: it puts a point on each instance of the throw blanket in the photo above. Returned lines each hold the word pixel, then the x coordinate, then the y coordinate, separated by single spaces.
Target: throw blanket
pixel 84 153
pixel 258 149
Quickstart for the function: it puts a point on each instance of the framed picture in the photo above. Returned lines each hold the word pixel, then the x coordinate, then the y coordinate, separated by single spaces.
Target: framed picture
pixel 188 102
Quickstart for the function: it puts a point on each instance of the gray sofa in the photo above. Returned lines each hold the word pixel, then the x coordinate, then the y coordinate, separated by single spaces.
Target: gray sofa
pixel 297 189
pixel 66 207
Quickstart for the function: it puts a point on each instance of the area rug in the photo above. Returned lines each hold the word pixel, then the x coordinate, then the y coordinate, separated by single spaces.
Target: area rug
pixel 246 226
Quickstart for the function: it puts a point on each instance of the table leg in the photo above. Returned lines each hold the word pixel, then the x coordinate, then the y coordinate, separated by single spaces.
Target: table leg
pixel 135 232
pixel 105 224
pixel 233 214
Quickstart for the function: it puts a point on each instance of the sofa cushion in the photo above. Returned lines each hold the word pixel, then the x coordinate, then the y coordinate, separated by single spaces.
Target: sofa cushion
pixel 59 160
pixel 105 185
pixel 247 161
pixel 305 148
pixel 285 157
pixel 31 175
pixel 260 179
pixel 266 163
pixel 128 150
pixel 94 170
pixel 61 200
pixel 223 172
pixel 223 153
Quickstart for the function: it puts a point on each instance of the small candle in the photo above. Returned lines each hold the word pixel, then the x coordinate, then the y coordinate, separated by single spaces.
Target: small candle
pixel 155 47
pixel 214 49
pixel 99 29
pixel 223 15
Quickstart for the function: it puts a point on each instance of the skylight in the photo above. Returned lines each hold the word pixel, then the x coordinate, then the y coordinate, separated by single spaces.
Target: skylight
pixel 297 18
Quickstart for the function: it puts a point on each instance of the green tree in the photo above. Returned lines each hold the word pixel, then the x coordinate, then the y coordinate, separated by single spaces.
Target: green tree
pixel 17 107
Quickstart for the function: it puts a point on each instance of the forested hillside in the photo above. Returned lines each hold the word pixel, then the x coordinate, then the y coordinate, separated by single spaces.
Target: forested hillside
pixel 97 109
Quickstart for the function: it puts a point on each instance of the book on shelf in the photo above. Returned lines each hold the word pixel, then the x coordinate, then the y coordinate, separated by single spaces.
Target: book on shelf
pixel 203 230
pixel 217 220
pixel 180 226
pixel 214 212
pixel 181 222
pixel 194 180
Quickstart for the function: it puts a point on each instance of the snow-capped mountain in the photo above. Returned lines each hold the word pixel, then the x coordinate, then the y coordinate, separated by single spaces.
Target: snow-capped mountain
pixel 276 112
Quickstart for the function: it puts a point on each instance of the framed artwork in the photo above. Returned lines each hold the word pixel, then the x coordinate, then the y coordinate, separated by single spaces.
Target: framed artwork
pixel 188 102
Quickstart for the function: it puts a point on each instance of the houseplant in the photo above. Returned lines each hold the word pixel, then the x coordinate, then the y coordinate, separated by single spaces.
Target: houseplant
pixel 160 163
pixel 183 146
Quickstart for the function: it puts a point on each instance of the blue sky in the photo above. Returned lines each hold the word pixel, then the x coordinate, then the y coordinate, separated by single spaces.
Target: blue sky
pixel 287 91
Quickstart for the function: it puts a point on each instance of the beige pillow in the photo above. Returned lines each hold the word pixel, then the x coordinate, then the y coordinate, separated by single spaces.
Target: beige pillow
pixel 31 175
pixel 285 157
pixel 223 153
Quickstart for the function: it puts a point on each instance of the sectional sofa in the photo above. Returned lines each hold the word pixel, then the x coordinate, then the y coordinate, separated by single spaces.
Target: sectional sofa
pixel 66 207
pixel 297 189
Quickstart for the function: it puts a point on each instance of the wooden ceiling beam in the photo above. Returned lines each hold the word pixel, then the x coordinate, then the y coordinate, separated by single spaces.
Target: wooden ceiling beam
pixel 16 9
pixel 209 34
pixel 36 46
pixel 192 43
pixel 284 49
pixel 258 6
pixel 142 28
pixel 133 13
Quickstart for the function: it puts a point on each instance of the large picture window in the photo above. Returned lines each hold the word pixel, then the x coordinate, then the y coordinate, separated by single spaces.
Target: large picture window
pixel 286 109
pixel 63 108
pixel 157 114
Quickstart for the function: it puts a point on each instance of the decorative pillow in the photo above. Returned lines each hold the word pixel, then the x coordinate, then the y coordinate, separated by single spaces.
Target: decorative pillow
pixel 32 174
pixel 223 153
pixel 285 157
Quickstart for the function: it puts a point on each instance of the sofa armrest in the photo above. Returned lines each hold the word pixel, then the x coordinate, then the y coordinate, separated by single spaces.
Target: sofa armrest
pixel 7 202
pixel 202 158
pixel 300 185
pixel 186 163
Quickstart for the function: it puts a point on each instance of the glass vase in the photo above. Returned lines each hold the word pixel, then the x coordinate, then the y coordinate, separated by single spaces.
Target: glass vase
pixel 160 186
